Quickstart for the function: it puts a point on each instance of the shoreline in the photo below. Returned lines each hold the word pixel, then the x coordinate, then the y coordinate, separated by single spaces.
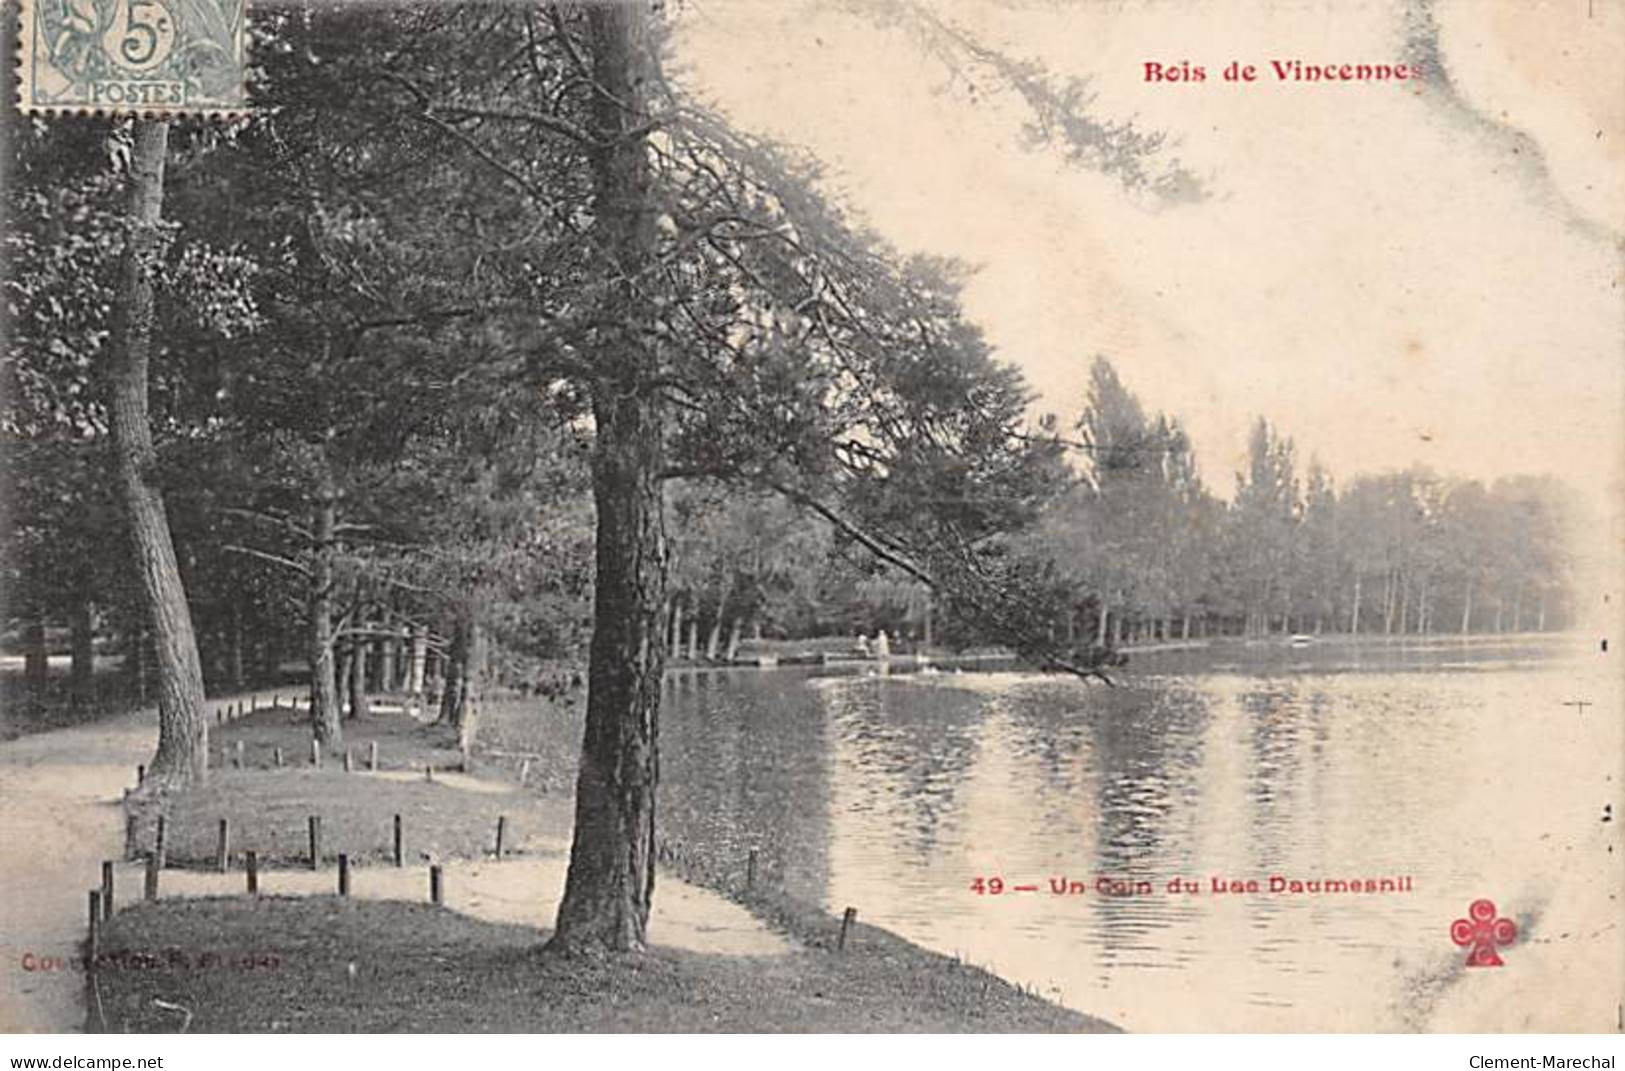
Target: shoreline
pixel 325 964
pixel 380 938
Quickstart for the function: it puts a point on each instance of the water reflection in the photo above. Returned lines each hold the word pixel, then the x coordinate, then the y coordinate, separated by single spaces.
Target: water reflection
pixel 894 793
pixel 741 775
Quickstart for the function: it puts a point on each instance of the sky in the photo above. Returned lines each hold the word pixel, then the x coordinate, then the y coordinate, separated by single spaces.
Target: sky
pixel 1399 273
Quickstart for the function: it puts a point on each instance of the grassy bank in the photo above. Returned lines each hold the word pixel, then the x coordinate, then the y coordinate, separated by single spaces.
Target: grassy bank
pixel 267 807
pixel 323 964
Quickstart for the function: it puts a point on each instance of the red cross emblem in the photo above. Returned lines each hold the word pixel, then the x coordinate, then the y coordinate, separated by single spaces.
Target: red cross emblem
pixel 1483 931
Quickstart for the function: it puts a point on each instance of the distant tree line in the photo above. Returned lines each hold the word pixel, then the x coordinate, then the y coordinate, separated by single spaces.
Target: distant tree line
pixel 1394 553
pixel 1138 548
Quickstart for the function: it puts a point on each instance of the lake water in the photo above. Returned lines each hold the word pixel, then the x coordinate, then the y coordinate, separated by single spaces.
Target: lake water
pixel 1455 771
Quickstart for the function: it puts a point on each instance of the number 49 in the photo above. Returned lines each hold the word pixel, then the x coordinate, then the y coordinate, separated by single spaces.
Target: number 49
pixel 987 886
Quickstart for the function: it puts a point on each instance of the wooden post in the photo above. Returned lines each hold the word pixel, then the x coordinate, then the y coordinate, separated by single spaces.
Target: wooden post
pixel 140 776
pixel 251 865
pixel 253 703
pixel 219 716
pixel 149 889
pixel 315 841
pixel 400 857
pixel 276 756
pixel 316 753
pixel 158 844
pixel 502 825
pixel 372 756
pixel 847 919
pixel 428 772
pixel 222 848
pixel 107 888
pixel 436 886
pixel 238 758
pixel 750 869
pixel 344 874
pixel 95 911
pixel 347 766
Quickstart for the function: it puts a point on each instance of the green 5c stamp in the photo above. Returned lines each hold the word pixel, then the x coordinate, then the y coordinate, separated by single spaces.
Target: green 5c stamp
pixel 182 56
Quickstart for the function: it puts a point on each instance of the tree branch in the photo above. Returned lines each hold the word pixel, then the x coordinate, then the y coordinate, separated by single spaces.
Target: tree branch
pixel 275 559
pixel 260 515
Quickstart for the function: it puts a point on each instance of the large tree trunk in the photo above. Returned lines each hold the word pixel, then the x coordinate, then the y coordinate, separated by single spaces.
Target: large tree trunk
pixel 734 631
pixel 611 880
pixel 324 690
pixel 1467 608
pixel 181 758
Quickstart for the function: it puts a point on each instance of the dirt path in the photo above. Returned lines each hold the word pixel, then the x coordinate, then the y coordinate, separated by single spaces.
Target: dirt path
pixel 521 891
pixel 60 817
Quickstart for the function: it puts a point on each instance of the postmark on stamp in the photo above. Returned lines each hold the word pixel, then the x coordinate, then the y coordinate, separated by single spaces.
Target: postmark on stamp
pixel 174 56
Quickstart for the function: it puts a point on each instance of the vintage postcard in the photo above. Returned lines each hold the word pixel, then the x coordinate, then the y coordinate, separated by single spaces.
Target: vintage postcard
pixel 877 516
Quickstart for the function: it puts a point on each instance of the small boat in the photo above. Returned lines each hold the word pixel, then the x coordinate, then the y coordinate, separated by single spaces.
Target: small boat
pixel 1301 640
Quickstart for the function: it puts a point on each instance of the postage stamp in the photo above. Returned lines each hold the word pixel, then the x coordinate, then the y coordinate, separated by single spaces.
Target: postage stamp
pixel 178 56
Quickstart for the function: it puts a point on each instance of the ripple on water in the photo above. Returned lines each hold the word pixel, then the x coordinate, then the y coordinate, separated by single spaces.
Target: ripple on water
pixel 893 793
